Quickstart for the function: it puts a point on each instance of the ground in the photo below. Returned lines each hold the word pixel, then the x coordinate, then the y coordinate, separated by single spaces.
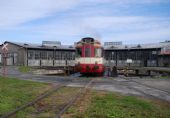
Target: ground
pixel 93 104
pixel 154 89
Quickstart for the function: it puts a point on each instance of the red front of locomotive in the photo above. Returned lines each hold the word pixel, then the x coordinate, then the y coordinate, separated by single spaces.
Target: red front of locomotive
pixel 89 56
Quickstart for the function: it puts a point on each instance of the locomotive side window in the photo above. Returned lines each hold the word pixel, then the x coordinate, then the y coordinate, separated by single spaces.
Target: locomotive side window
pixel 78 52
pixel 98 52
pixel 87 52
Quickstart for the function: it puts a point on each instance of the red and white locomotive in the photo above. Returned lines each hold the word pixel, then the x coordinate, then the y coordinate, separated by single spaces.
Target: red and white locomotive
pixel 89 59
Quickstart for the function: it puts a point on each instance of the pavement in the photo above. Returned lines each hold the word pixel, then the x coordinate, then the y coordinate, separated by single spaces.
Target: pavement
pixel 147 87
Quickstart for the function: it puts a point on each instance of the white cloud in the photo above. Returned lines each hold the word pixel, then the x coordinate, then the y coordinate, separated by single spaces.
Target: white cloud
pixel 15 12
pixel 123 28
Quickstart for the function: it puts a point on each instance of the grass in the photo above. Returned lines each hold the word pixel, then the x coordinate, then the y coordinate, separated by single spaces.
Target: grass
pixel 165 77
pixel 109 105
pixel 25 69
pixel 15 92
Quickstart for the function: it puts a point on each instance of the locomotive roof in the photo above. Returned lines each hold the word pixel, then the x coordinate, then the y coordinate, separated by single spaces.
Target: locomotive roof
pixel 87 38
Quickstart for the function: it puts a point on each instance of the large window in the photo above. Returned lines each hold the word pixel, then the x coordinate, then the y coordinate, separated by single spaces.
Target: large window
pixel 87 52
pixel 37 54
pixel 78 52
pixel 50 55
pixel 43 54
pixel 98 52
pixel 31 55
pixel 58 55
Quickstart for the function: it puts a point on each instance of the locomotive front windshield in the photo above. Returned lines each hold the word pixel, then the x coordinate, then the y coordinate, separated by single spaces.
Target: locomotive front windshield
pixel 87 52
pixel 98 52
pixel 78 52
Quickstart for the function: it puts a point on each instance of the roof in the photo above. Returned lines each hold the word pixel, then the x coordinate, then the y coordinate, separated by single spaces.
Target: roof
pixel 72 47
pixel 40 46
pixel 138 46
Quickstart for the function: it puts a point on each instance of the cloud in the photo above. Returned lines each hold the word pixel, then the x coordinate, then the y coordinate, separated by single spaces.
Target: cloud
pixel 108 28
pixel 16 12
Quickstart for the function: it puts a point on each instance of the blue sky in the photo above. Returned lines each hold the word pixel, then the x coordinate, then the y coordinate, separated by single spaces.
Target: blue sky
pixel 129 21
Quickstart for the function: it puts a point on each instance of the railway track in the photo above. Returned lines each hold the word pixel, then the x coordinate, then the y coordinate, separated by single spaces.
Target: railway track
pixel 73 99
pixel 149 88
pixel 42 96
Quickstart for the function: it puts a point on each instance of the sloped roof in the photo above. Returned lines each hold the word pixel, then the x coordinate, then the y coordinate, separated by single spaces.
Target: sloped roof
pixel 40 46
pixel 138 46
pixel 72 47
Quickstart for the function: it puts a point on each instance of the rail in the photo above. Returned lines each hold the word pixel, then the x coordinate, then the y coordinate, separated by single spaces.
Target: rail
pixel 73 99
pixel 42 96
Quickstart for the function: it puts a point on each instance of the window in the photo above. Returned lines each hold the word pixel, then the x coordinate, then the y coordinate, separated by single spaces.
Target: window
pixel 87 52
pixel 63 55
pixel 154 52
pixel 98 52
pixel 43 55
pixel 67 57
pixel 37 55
pixel 73 55
pixel 30 55
pixel 78 52
pixel 50 55
pixel 58 55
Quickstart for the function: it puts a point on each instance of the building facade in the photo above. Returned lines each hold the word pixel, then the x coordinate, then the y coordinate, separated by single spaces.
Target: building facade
pixel 39 55
pixel 146 55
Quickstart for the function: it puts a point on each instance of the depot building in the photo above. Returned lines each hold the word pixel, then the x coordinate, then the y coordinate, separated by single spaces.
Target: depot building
pixel 54 54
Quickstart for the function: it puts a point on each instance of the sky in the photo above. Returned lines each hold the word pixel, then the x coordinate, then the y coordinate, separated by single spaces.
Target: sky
pixel 129 21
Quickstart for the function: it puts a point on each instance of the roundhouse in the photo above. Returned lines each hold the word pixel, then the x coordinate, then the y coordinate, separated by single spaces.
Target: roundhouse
pixel 53 54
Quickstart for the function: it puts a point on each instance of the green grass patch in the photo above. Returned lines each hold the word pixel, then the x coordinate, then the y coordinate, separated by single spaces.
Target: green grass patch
pixel 112 105
pixel 15 93
pixel 25 69
pixel 165 77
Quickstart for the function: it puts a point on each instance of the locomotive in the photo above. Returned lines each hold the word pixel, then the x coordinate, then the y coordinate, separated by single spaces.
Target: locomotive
pixel 89 58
